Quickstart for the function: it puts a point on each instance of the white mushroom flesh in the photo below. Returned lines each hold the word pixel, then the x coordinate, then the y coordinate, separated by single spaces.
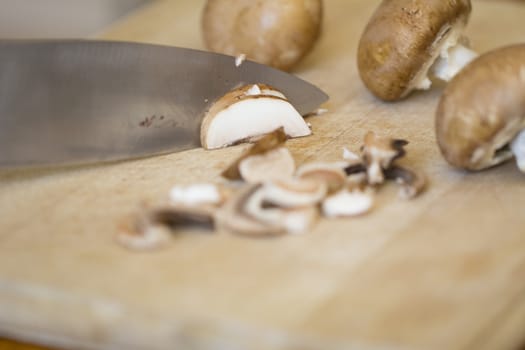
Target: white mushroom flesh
pixel 240 214
pixel 300 220
pixel 253 116
pixel 294 193
pixel 331 174
pixel 517 147
pixel 292 220
pixel 451 61
pixel 347 203
pixel 197 194
pixel 272 165
pixel 349 155
pixel 148 236
pixel 240 59
pixel 446 60
pixel 253 90
pixel 379 160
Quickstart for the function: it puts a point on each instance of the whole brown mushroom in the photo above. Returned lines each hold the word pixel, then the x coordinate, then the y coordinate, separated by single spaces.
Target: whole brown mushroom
pixel 480 119
pixel 278 33
pixel 405 41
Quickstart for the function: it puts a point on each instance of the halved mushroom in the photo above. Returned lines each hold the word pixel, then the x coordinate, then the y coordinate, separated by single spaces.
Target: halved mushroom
pixel 250 111
pixel 278 33
pixel 480 119
pixel 404 39
pixel 378 153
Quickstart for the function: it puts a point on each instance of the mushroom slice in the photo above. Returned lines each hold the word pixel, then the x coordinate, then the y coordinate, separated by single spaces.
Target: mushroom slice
pixel 350 156
pixel 143 234
pixel 294 192
pixel 153 229
pixel 331 174
pixel 413 183
pixel 347 202
pixel 272 165
pixel 198 194
pixel 247 112
pixel 482 111
pixel 265 144
pixel 292 220
pixel 379 153
pixel 404 38
pixel 296 215
pixel 233 215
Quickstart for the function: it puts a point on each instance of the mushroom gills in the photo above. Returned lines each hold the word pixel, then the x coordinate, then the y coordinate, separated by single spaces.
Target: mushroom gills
pixel 450 56
pixel 451 61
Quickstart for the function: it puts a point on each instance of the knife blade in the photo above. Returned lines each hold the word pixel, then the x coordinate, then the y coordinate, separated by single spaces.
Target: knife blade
pixel 80 101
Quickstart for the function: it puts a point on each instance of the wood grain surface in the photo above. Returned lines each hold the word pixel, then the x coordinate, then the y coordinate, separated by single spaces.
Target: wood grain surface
pixel 444 271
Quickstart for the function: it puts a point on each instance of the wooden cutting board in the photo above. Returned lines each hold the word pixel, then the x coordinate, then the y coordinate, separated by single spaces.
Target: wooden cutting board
pixel 444 271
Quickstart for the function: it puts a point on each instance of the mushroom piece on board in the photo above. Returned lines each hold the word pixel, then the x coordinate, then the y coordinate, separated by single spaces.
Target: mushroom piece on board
pixel 278 33
pixel 247 112
pixel 480 119
pixel 404 39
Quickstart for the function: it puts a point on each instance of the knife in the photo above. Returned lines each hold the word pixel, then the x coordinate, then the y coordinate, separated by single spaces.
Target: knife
pixel 81 101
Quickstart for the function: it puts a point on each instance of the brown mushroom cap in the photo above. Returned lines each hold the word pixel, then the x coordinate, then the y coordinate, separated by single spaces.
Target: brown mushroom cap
pixel 483 109
pixel 273 32
pixel 402 40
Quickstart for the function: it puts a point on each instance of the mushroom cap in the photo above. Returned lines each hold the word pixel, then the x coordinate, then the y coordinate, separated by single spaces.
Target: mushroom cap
pixel 402 40
pixel 273 32
pixel 482 109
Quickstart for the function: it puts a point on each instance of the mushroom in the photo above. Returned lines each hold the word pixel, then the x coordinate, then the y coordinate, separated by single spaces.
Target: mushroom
pixel 405 41
pixel 480 119
pixel 153 227
pixel 249 111
pixel 378 153
pixel 294 192
pixel 272 165
pixel 141 233
pixel 272 208
pixel 289 205
pixel 278 33
pixel 233 216
pixel 347 202
pixel 413 183
pixel 198 194
pixel 331 174
pixel 265 144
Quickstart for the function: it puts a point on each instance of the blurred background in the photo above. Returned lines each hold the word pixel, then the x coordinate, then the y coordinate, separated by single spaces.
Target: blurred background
pixel 60 18
pixel 68 18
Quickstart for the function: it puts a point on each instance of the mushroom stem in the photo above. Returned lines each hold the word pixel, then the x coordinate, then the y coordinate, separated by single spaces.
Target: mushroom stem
pixel 517 147
pixel 451 60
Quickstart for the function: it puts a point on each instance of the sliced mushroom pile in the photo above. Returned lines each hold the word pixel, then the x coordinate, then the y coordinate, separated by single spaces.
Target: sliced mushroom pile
pixel 267 195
